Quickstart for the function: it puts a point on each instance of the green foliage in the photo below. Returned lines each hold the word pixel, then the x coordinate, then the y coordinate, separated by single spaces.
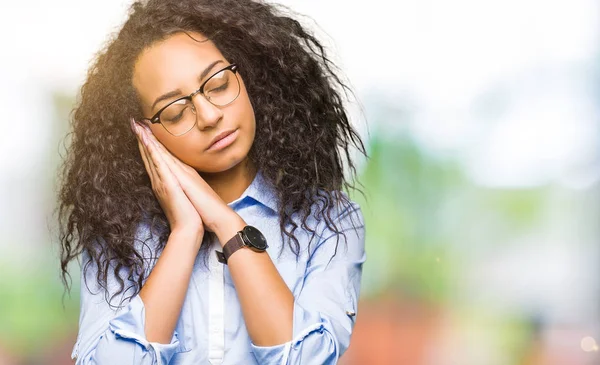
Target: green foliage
pixel 423 217
pixel 405 215
pixel 31 307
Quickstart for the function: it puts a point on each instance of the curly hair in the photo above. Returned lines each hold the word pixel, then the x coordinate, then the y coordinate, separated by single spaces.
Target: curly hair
pixel 303 136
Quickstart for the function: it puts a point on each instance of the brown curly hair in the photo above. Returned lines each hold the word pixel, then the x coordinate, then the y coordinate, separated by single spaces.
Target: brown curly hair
pixel 303 134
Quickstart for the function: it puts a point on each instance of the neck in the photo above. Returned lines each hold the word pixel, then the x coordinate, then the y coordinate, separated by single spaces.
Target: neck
pixel 230 184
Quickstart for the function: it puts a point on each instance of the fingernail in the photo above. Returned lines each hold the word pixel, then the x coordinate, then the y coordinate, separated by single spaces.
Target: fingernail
pixel 133 123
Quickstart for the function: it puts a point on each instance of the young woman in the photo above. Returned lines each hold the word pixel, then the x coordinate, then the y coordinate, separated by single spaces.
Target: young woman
pixel 203 191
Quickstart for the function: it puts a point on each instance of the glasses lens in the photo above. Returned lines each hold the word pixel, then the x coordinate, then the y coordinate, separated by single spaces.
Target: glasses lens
pixel 222 88
pixel 178 117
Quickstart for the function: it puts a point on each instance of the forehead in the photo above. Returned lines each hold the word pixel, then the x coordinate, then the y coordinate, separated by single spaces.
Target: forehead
pixel 173 63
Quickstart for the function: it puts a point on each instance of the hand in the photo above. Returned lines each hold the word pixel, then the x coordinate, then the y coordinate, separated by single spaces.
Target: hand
pixel 214 212
pixel 178 209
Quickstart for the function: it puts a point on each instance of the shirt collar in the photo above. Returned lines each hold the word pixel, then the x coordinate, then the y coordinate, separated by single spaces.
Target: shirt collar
pixel 261 191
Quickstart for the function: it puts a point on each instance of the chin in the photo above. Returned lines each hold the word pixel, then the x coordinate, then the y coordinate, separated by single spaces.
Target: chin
pixel 222 162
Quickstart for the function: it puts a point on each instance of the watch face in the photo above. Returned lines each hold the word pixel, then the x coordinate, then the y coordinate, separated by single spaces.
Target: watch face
pixel 255 238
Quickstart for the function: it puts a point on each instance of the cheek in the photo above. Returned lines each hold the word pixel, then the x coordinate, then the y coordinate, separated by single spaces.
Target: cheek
pixel 245 99
pixel 180 147
pixel 250 127
pixel 247 111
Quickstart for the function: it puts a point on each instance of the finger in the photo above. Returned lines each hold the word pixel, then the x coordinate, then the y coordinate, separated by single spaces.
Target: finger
pixel 169 157
pixel 141 147
pixel 149 166
pixel 142 142
pixel 175 164
pixel 156 158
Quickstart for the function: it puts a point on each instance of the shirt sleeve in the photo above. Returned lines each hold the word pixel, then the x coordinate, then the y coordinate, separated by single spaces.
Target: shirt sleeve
pixel 325 309
pixel 114 336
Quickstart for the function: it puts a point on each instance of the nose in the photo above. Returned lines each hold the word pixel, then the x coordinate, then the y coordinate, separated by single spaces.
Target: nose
pixel 207 114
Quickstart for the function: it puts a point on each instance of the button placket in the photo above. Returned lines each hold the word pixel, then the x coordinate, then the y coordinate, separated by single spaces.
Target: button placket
pixel 216 309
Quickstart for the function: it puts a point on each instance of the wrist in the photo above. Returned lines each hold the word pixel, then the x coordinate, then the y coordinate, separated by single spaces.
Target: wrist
pixel 187 236
pixel 228 227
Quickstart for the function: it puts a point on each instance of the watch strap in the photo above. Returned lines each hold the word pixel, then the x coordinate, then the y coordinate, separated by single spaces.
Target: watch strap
pixel 234 244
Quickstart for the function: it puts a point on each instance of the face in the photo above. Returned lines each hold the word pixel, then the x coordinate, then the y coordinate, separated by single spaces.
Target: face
pixel 175 66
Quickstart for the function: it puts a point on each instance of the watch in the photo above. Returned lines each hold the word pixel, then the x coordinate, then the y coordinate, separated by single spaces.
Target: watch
pixel 249 237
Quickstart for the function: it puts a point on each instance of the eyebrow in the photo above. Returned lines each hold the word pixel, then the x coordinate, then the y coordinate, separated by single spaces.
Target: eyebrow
pixel 177 92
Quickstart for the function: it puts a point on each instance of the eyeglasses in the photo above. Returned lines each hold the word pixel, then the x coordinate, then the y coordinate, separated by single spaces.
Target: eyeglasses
pixel 179 116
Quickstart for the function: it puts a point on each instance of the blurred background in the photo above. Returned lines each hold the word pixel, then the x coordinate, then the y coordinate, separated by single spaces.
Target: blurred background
pixel 482 123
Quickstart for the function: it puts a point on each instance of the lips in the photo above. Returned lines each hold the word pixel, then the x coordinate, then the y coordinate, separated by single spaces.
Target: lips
pixel 220 136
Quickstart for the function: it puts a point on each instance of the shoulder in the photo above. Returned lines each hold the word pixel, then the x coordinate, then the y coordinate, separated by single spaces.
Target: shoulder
pixel 339 223
pixel 337 209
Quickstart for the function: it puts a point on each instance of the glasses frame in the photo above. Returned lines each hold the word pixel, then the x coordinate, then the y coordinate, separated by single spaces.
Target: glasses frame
pixel 156 117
